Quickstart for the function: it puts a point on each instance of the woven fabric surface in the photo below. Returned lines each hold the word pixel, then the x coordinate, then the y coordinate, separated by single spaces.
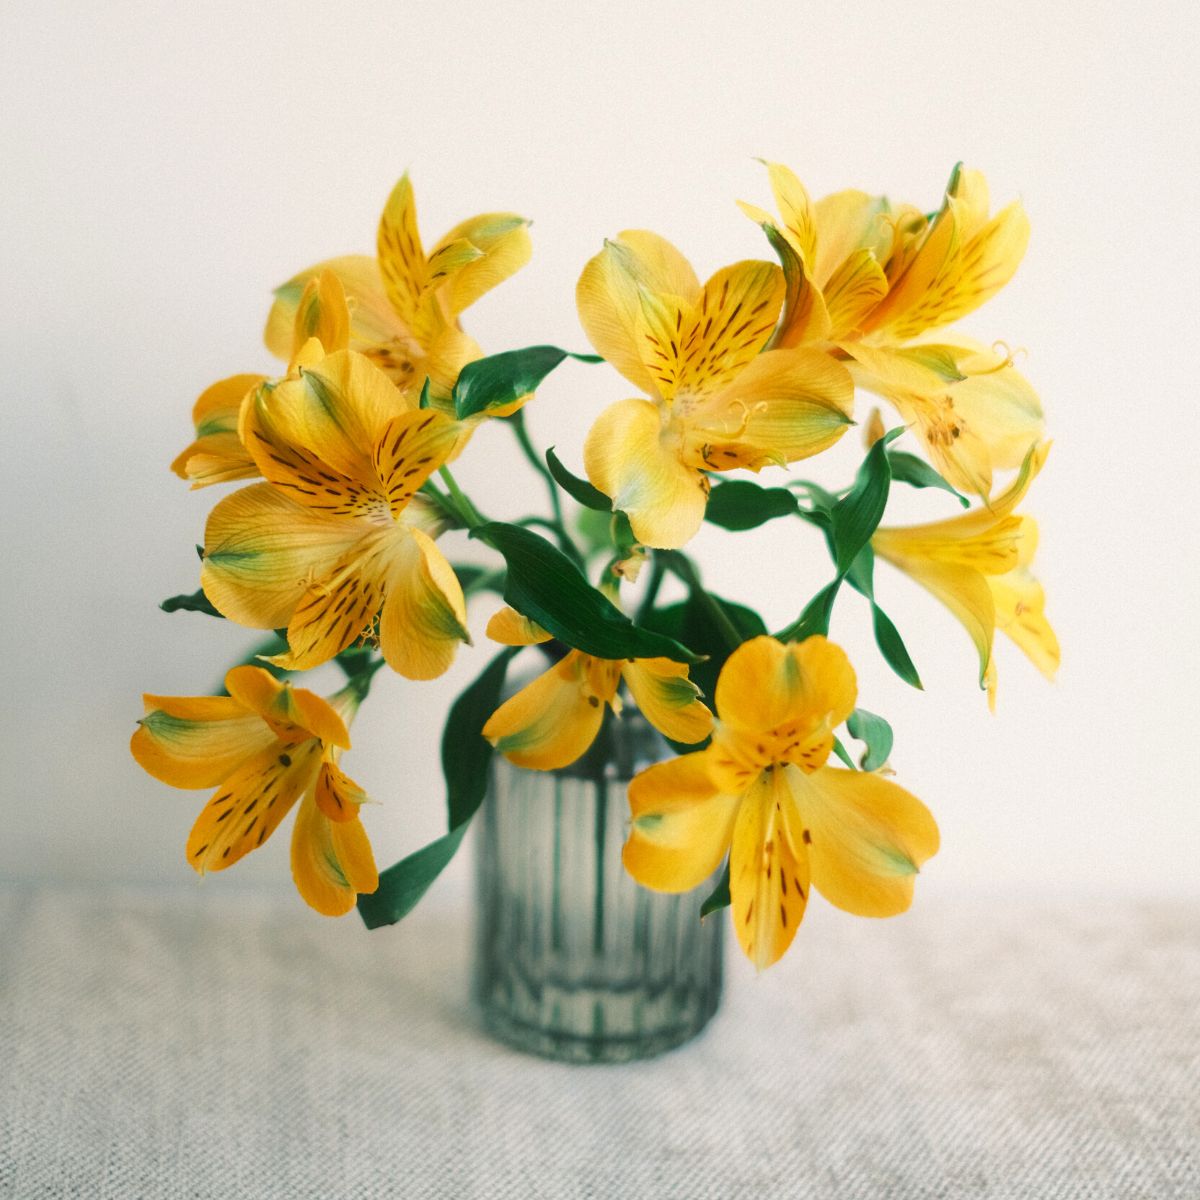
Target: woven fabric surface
pixel 179 1045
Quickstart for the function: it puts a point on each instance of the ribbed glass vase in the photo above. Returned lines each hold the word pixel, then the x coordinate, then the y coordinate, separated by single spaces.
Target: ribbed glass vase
pixel 574 960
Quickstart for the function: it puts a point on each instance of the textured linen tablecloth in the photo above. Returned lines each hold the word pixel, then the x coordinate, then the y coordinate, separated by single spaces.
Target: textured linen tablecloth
pixel 185 1044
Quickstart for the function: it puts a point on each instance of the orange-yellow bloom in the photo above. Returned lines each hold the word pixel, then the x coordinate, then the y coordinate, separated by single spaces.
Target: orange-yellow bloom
pixel 320 325
pixel 977 564
pixel 713 402
pixel 552 721
pixel 764 793
pixel 333 541
pixel 263 747
pixel 404 303
pixel 866 278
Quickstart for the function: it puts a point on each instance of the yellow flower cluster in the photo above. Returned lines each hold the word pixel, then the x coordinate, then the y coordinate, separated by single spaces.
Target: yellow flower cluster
pixel 334 542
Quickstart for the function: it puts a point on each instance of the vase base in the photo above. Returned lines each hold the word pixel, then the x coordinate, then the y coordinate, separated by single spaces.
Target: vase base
pixel 563 1046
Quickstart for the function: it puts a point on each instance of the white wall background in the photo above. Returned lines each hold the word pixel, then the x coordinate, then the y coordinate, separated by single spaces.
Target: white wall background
pixel 163 166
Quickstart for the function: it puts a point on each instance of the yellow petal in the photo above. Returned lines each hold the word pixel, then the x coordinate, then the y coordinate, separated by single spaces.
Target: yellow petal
pixel 998 404
pixel 768 869
pixel 332 861
pixel 337 795
pixel 959 263
pixel 866 837
pixel 608 296
pixel 722 334
pixel 402 259
pixel 322 314
pixel 922 291
pixel 963 590
pixel 424 616
pixel 852 292
pixel 630 458
pixel 195 742
pixel 766 686
pixel 217 454
pixel 550 722
pixel 261 551
pixel 510 628
pixel 668 699
pixel 682 825
pixel 410 448
pixel 989 260
pixel 796 211
pixel 294 714
pixel 215 458
pixel 972 411
pixel 315 436
pixel 502 240
pixel 1020 614
pixel 249 805
pixel 989 539
pixel 339 608
pixel 786 405
pixel 373 321
pixel 849 222
pixel 805 319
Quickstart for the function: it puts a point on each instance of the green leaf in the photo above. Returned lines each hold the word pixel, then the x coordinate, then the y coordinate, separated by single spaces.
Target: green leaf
pixel 741 504
pixel 501 379
pixel 719 897
pixel 916 472
pixel 466 758
pixel 861 577
pixel 544 585
pixel 196 602
pixel 875 733
pixel 851 522
pixel 694 622
pixel 843 753
pixel 401 886
pixel 578 489
pixel 857 515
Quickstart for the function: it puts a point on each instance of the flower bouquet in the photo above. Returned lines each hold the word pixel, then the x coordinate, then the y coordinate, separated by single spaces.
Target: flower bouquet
pixel 335 546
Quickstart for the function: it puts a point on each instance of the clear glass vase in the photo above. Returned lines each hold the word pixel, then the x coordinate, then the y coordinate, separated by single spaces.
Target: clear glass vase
pixel 574 960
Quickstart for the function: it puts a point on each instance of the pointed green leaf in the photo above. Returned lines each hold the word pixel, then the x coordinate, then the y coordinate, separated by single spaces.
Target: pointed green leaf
pixel 578 489
pixel 875 733
pixel 916 472
pixel 544 585
pixel 740 504
pixel 719 897
pixel 196 602
pixel 850 524
pixel 466 759
pixel 500 379
pixel 843 753
pixel 861 577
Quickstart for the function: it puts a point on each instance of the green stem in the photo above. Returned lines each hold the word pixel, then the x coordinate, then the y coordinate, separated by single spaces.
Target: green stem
pixel 517 422
pixel 686 570
pixel 657 571
pixel 466 510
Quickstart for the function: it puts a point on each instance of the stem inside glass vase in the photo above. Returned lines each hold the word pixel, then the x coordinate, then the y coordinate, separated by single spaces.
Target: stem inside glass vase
pixel 574 960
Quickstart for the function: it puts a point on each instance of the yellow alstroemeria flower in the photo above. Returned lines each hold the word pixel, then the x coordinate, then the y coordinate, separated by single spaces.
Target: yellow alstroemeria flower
pixel 321 325
pixel 977 564
pixel 871 278
pixel 552 721
pixel 263 747
pixel 715 402
pixel 334 538
pixel 763 792
pixel 404 303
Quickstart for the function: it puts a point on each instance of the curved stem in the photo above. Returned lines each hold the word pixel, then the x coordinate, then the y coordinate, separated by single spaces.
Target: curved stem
pixel 466 510
pixel 517 421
